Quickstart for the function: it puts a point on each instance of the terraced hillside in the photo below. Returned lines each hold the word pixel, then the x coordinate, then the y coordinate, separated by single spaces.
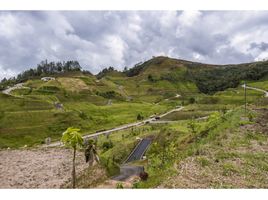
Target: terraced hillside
pixel 211 142
pixel 112 98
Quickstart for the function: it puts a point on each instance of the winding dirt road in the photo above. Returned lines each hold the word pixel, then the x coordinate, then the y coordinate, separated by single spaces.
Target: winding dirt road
pixel 257 89
pixel 15 87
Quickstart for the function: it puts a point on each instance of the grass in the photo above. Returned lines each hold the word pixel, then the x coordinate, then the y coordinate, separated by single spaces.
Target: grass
pixel 30 125
pixel 31 117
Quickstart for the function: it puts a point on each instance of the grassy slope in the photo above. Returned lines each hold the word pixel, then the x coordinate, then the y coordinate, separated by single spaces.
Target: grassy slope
pixel 233 155
pixel 230 155
pixel 213 156
pixel 31 117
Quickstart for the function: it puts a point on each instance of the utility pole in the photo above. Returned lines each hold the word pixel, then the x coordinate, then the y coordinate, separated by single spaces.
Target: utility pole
pixel 245 92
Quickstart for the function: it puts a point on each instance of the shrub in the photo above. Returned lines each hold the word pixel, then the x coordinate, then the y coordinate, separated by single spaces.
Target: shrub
pixel 107 145
pixel 119 186
pixel 151 78
pixel 109 94
pixel 143 176
pixel 82 115
pixel 135 185
pixel 140 117
pixel 250 117
pixel 229 169
pixel 203 161
pixel 193 126
pixel 192 100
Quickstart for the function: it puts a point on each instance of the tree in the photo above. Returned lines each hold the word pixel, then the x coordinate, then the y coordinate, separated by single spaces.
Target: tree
pixel 193 126
pixel 192 100
pixel 72 138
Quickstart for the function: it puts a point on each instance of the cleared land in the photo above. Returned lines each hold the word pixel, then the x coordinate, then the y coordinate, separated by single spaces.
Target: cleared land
pixel 38 168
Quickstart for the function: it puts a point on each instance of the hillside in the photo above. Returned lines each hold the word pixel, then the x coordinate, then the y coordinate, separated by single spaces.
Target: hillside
pixel 211 139
pixel 111 98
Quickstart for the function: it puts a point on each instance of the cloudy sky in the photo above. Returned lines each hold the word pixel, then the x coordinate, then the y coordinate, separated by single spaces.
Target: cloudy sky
pixel 122 38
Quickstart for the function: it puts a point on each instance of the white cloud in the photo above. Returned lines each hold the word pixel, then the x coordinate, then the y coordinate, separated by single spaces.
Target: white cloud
pixel 99 39
pixel 188 18
pixel 6 73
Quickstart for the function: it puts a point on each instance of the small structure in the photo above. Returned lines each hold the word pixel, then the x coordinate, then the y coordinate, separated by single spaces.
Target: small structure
pixel 58 105
pixel 109 102
pixel 48 141
pixel 47 79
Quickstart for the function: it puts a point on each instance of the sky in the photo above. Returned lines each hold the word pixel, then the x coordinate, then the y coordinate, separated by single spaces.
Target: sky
pixel 99 39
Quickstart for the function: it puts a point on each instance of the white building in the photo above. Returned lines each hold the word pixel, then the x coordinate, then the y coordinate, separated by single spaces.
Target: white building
pixel 47 79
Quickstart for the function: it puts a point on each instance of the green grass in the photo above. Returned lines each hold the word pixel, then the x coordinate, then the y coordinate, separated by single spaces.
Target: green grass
pixel 27 124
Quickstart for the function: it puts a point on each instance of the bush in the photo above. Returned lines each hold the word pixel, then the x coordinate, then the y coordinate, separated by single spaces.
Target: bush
pixel 109 94
pixel 144 176
pixel 140 117
pixel 135 185
pixel 82 115
pixel 192 100
pixel 107 145
pixel 119 186
pixel 250 117
pixel 151 78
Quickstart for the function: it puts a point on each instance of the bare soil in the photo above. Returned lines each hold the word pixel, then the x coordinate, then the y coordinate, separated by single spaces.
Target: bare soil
pixel 38 168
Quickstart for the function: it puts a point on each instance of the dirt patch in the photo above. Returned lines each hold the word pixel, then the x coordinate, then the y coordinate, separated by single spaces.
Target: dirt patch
pixel 73 84
pixel 38 168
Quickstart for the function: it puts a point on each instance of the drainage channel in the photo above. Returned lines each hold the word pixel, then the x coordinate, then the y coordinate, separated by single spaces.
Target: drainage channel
pixel 127 170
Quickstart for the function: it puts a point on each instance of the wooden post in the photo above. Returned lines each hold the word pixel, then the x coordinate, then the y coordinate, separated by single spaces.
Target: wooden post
pixel 245 92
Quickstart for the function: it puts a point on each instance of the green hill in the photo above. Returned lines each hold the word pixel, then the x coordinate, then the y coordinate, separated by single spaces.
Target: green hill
pixel 112 98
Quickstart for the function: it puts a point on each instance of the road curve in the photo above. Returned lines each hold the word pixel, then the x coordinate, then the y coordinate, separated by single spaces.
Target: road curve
pixel 257 89
pixel 17 86
pixel 135 124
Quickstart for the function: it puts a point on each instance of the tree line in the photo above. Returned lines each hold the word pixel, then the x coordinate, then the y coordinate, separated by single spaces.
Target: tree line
pixel 44 68
pixel 215 79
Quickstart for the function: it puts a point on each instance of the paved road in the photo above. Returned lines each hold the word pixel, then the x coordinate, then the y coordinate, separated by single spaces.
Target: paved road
pixel 140 123
pixel 257 89
pixel 139 150
pixel 128 170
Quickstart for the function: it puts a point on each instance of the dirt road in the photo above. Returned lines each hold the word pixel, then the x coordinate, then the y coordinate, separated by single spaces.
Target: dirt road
pixel 17 86
pixel 257 89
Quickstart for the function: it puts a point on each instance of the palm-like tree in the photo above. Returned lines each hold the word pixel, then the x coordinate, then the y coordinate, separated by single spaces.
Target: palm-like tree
pixel 72 138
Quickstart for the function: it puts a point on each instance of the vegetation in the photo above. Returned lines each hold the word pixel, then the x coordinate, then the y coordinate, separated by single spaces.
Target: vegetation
pixel 210 132
pixel 43 69
pixel 216 79
pixel 72 138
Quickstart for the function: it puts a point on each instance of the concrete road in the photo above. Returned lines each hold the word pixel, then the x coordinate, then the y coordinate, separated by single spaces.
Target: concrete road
pixel 136 124
pixel 139 150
